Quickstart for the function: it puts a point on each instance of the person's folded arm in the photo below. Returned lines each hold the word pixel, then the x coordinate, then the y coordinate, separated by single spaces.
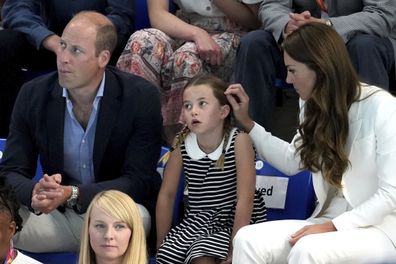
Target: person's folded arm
pixel 24 16
pixel 377 17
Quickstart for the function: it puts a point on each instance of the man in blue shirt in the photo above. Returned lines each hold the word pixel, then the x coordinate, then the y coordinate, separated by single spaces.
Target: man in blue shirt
pixel 31 35
pixel 94 128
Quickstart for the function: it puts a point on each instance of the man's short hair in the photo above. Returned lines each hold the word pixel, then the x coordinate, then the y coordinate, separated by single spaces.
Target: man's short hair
pixel 106 38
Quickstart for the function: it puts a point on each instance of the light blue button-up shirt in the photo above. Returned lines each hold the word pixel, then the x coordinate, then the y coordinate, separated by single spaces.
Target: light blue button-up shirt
pixel 78 143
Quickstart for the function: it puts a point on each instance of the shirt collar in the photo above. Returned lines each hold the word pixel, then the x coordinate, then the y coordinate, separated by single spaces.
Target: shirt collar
pixel 195 152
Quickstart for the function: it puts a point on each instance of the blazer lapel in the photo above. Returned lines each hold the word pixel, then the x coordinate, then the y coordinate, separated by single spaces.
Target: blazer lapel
pixel 107 117
pixel 55 124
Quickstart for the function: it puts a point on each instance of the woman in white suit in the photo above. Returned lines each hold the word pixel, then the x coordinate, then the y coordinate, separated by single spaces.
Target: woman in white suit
pixel 347 138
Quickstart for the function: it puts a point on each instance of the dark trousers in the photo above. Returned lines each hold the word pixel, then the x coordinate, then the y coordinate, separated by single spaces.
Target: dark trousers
pixel 259 62
pixel 17 55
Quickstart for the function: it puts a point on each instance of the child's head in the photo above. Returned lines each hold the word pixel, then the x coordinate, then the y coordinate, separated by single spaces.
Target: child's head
pixel 10 220
pixel 205 108
pixel 205 87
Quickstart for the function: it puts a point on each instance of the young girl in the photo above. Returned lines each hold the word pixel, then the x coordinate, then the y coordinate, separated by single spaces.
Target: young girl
pixel 218 162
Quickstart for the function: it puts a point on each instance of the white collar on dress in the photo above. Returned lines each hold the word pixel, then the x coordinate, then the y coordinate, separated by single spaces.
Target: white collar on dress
pixel 195 152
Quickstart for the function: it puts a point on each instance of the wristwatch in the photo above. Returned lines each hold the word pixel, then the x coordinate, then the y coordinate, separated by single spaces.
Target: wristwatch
pixel 328 23
pixel 72 201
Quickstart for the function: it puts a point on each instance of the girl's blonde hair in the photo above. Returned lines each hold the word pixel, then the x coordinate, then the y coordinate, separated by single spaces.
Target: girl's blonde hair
pixel 218 87
pixel 120 206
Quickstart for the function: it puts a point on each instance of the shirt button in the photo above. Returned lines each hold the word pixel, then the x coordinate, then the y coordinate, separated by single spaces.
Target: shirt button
pixel 208 8
pixel 84 166
pixel 83 141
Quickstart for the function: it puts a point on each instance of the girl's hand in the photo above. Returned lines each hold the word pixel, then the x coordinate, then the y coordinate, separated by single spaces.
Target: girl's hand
pixel 207 48
pixel 312 229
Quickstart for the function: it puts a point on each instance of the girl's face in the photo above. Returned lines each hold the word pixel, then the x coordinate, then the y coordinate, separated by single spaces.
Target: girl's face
pixel 302 77
pixel 7 230
pixel 109 237
pixel 202 111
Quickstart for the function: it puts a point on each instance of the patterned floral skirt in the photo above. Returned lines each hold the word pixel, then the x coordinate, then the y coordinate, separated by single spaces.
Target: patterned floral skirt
pixel 171 63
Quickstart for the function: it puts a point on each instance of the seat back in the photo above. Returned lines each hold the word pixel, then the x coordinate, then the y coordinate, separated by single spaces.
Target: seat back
pixel 287 197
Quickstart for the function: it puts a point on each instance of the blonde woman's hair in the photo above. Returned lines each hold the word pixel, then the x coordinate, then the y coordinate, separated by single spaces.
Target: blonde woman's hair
pixel 218 88
pixel 120 206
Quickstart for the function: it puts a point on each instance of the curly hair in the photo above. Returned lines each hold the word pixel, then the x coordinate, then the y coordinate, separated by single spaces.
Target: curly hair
pixel 9 204
pixel 325 127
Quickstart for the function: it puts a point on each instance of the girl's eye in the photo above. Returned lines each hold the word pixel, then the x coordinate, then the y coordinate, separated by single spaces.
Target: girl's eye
pixel 99 226
pixel 291 71
pixel 187 106
pixel 202 103
pixel 62 45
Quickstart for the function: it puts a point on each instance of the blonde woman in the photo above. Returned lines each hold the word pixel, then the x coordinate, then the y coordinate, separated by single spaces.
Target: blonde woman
pixel 113 231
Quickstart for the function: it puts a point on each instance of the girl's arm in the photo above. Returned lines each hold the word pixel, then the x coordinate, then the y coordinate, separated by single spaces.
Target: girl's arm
pixel 246 183
pixel 167 194
pixel 245 15
pixel 162 19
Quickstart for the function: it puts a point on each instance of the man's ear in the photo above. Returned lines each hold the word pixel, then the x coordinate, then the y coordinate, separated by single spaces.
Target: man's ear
pixel 104 58
pixel 225 111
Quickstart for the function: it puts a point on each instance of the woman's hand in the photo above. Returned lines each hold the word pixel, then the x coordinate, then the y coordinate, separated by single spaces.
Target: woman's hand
pixel 312 229
pixel 239 101
pixel 207 48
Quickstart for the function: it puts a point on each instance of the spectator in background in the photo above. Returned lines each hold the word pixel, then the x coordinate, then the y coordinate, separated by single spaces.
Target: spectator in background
pixel 94 128
pixel 113 231
pixel 201 37
pixel 10 222
pixel 346 137
pixel 31 35
pixel 367 27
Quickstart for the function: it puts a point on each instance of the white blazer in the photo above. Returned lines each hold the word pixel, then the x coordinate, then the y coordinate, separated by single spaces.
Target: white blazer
pixel 369 184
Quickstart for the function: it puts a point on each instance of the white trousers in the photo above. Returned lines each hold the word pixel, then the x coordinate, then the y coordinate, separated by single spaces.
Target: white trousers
pixel 56 232
pixel 268 243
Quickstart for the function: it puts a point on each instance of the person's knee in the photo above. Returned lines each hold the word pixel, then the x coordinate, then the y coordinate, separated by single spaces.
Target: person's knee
pixel 363 43
pixel 146 219
pixel 242 237
pixel 261 40
pixel 307 250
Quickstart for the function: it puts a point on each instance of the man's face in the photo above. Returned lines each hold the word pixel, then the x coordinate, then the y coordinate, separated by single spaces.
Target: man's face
pixel 78 65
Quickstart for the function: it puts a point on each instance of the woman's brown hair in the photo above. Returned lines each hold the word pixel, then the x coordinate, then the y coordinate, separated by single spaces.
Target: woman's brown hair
pixel 325 127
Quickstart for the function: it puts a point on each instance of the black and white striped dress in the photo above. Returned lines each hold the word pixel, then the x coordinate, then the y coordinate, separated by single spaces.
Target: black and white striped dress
pixel 207 226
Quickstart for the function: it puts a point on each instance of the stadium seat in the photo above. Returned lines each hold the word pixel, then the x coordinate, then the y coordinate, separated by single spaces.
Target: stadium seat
pixel 287 197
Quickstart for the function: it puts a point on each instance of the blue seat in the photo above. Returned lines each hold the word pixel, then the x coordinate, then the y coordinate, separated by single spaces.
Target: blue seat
pixel 299 198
